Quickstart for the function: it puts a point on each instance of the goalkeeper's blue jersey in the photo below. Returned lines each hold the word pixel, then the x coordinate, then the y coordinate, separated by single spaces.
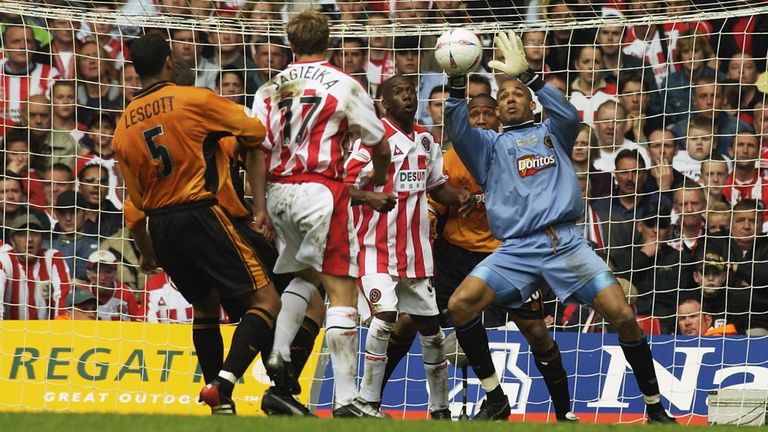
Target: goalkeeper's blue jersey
pixel 525 171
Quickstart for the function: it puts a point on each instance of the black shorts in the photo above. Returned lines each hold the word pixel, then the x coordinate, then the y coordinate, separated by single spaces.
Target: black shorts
pixel 266 252
pixel 199 247
pixel 452 265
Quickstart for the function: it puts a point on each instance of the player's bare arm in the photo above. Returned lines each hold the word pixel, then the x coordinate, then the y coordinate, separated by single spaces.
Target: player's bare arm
pixel 380 201
pixel 257 179
pixel 382 156
pixel 450 196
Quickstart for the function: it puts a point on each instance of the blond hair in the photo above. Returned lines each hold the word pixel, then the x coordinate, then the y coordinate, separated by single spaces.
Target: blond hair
pixel 308 33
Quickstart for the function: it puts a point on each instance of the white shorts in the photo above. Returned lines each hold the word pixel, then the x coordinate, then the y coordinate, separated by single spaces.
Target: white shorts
pixel 387 293
pixel 314 227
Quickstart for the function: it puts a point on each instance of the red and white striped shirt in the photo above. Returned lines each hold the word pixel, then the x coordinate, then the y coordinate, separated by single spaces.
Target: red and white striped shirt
pixel 46 288
pixel 117 303
pixel 164 303
pixel 17 88
pixel 652 53
pixel 397 242
pixel 312 111
pixel 11 277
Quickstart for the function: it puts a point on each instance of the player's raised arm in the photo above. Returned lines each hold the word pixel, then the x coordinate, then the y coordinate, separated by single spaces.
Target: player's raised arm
pixel 563 117
pixel 474 146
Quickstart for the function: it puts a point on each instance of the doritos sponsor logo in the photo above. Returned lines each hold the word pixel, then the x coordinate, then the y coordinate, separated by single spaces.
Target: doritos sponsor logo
pixel 531 164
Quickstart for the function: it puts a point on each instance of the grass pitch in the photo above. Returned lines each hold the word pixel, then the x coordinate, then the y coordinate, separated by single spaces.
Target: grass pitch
pixel 42 422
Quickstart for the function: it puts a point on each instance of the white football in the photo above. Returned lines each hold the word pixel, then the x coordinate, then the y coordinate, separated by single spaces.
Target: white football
pixel 458 52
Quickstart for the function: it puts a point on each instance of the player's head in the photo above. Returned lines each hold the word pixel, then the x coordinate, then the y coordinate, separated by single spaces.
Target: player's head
pixel 483 112
pixel 516 104
pixel 399 98
pixel 308 33
pixel 152 58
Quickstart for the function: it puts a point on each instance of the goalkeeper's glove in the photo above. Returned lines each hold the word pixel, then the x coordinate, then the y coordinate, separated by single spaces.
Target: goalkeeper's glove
pixel 511 47
pixel 458 86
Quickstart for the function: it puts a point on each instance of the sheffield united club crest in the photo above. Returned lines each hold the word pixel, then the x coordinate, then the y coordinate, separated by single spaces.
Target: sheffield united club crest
pixel 426 143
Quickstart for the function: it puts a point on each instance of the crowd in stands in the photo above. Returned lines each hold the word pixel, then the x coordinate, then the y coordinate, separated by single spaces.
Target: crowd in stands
pixel 672 155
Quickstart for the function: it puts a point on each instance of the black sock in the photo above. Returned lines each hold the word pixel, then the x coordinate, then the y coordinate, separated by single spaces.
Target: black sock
pixel 302 344
pixel 638 355
pixel 474 341
pixel 396 350
pixel 254 333
pixel 550 364
pixel 209 346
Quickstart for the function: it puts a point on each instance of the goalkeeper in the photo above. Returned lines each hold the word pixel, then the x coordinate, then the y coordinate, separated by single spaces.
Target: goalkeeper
pixel 533 201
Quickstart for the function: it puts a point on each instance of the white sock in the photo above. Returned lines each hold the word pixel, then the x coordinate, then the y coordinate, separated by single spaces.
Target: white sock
pixel 295 300
pixel 375 359
pixel 341 335
pixel 436 368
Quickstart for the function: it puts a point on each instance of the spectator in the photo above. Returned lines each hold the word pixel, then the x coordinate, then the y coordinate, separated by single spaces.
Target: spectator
pixel 68 236
pixel 270 57
pixel 659 272
pixel 691 320
pixel 11 277
pixel 46 272
pixel 103 218
pixel 718 219
pixel 186 46
pixel 13 203
pixel 63 95
pixel 436 99
pixel 131 83
pixel 616 63
pixel 228 50
pixel 741 95
pixel 760 121
pixel 349 56
pixel 707 103
pixel 689 207
pixel 351 11
pixel 164 303
pixel 691 58
pixel 56 179
pixel 634 94
pixel 381 60
pixel 558 54
pixel 699 145
pixel 727 306
pixel 746 181
pixel 23 77
pixel 97 89
pixel 747 255
pixel 589 90
pixel 662 149
pixel 477 85
pixel 17 154
pixel 407 62
pixel 230 84
pixel 628 200
pixel 62 46
pixel 535 48
pixel 102 33
pixel 116 301
pixel 647 41
pixel 48 145
pixel 585 152
pixel 79 305
pixel 610 123
pixel 714 177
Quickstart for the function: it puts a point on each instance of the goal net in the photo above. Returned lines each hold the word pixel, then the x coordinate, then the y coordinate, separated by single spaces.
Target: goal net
pixel 670 157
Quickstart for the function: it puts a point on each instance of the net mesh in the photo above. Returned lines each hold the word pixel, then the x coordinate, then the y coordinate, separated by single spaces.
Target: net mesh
pixel 677 84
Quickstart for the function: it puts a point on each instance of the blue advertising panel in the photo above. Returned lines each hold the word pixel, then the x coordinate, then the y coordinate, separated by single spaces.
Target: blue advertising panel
pixel 602 385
